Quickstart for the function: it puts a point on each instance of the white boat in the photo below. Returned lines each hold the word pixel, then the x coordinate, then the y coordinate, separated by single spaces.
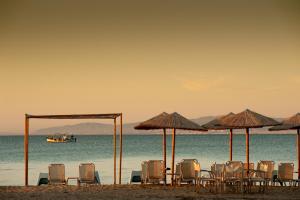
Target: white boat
pixel 61 138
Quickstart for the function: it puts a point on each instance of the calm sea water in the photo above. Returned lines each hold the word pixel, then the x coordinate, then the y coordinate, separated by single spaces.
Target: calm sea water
pixel 136 148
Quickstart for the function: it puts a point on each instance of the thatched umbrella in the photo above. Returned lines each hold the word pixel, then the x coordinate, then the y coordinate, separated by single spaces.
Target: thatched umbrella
pixel 247 119
pixel 215 125
pixel 153 124
pixel 292 123
pixel 172 121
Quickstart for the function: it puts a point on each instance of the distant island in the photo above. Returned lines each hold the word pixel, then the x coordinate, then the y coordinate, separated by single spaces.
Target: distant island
pixel 128 129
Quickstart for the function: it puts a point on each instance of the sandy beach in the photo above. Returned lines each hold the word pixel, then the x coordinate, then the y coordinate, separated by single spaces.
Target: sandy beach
pixel 133 192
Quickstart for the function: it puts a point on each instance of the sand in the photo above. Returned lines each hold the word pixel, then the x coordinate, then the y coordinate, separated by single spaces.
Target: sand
pixel 133 192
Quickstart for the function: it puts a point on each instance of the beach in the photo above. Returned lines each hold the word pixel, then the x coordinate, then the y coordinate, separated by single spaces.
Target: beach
pixel 132 192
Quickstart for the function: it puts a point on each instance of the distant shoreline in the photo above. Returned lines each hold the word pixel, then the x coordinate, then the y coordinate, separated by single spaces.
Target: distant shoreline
pixel 149 134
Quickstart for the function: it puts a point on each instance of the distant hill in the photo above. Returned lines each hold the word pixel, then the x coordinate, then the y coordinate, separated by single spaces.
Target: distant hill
pixel 105 129
pixel 128 129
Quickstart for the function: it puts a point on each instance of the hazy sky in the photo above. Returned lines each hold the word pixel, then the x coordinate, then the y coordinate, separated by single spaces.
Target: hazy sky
pixel 145 57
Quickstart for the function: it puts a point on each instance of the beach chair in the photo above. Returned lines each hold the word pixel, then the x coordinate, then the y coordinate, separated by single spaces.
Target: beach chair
pixel 155 171
pixel 87 174
pixel 56 174
pixel 248 174
pixel 286 173
pixel 263 175
pixel 234 175
pixel 152 171
pixel 135 177
pixel 213 178
pixel 189 170
pixel 144 172
pixel 265 169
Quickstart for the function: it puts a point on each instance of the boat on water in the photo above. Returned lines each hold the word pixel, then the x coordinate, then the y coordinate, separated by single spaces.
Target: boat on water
pixel 58 138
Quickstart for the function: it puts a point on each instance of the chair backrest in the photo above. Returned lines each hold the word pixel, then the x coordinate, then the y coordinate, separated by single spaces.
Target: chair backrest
pixel 285 171
pixel 144 170
pixel 251 167
pixel 87 172
pixel 218 170
pixel 177 170
pixel 233 169
pixel 155 169
pixel 56 173
pixel 189 168
pixel 267 167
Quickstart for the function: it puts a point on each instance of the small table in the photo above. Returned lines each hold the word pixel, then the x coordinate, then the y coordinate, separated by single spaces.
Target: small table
pixel 74 178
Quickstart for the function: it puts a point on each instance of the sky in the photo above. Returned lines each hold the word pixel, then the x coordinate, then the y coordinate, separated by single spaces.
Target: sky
pixel 198 58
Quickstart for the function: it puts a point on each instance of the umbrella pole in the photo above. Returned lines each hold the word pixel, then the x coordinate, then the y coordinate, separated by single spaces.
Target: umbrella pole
pixel 298 142
pixel 115 150
pixel 230 143
pixel 26 135
pixel 173 156
pixel 247 149
pixel 165 156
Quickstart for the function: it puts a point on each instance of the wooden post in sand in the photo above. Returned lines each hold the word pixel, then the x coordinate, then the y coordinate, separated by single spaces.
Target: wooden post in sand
pixel 115 150
pixel 230 144
pixel 121 141
pixel 173 155
pixel 247 149
pixel 298 143
pixel 165 156
pixel 26 134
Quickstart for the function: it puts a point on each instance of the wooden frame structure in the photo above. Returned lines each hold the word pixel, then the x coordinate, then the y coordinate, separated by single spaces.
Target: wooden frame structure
pixel 113 116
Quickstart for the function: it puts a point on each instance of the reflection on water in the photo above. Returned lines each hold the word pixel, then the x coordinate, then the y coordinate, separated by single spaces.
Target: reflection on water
pixel 98 149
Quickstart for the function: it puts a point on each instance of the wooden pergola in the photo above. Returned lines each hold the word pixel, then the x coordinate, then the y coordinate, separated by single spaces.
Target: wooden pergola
pixel 113 116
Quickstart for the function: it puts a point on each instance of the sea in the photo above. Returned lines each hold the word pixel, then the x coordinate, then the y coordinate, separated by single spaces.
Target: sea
pixel 98 149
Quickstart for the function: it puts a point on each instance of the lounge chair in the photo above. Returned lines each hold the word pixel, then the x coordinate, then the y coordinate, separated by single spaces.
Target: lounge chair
pixel 153 171
pixel 213 178
pixel 248 173
pixel 135 177
pixel 189 170
pixel 263 175
pixel 267 168
pixel 233 175
pixel 144 172
pixel 56 174
pixel 285 173
pixel 87 174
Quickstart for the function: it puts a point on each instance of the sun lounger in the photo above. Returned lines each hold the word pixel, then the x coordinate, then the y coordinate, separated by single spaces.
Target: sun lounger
pixel 43 179
pixel 152 171
pixel 213 178
pixel 56 174
pixel 233 175
pixel 189 170
pixel 286 173
pixel 87 174
pixel 263 175
pixel 144 172
pixel 248 173
pixel 135 177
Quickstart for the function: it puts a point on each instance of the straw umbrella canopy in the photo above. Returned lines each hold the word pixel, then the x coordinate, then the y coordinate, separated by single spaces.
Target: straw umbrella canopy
pixel 292 123
pixel 170 121
pixel 215 125
pixel 248 119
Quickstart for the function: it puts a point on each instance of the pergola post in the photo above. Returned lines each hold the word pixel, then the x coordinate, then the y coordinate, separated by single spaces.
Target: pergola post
pixel 247 149
pixel 121 142
pixel 173 155
pixel 26 135
pixel 115 150
pixel 165 155
pixel 230 145
pixel 298 151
